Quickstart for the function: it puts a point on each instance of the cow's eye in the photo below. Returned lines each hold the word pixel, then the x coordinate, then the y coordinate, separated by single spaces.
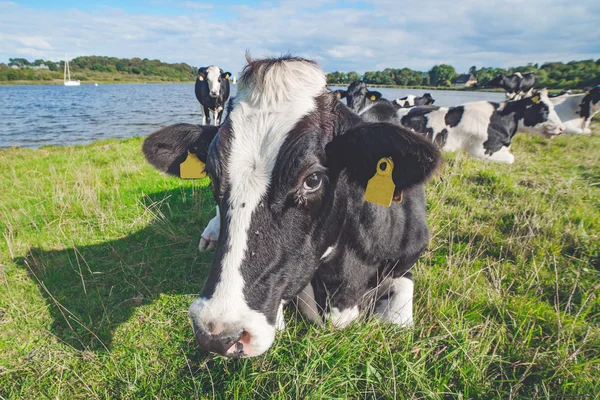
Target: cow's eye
pixel 313 182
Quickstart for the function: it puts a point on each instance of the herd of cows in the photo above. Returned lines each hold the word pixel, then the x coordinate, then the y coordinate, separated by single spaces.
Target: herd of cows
pixel 322 203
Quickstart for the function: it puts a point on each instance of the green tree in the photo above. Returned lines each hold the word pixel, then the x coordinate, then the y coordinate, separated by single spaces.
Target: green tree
pixel 441 74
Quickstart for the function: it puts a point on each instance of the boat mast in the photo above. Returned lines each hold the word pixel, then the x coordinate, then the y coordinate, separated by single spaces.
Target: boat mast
pixel 65 73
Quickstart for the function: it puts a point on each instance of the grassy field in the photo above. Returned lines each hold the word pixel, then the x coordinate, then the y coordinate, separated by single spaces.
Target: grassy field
pixel 98 265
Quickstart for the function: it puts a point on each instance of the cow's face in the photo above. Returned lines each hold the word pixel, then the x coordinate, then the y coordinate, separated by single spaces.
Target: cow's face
pixel 539 115
pixel 359 97
pixel 213 76
pixel 281 182
pixel 497 81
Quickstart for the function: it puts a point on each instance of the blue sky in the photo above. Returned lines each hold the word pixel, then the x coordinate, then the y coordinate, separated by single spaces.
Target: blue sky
pixel 340 35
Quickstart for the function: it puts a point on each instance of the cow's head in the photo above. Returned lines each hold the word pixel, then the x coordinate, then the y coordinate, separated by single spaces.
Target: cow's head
pixel 213 76
pixel 287 166
pixel 428 99
pixel 359 97
pixel 497 81
pixel 537 115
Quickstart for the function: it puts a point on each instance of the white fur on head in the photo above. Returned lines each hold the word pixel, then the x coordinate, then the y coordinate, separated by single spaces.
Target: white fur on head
pixel 213 73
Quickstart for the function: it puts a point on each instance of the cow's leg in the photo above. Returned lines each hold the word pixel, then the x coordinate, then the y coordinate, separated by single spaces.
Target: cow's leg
pixel 308 305
pixel 208 239
pixel 206 120
pixel 398 307
pixel 280 320
pixel 203 109
pixel 218 118
pixel 586 126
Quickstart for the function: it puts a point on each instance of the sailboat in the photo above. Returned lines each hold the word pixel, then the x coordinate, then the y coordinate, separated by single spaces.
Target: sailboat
pixel 234 80
pixel 67 75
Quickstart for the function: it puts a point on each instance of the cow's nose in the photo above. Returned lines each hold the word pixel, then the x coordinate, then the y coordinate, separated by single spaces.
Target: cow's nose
pixel 213 94
pixel 226 343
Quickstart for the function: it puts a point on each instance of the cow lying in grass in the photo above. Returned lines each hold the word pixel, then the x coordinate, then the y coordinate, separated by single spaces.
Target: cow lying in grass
pixel 289 167
pixel 484 129
pixel 577 110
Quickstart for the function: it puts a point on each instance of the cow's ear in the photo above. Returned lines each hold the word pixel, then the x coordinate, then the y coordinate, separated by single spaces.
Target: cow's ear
pixel 226 75
pixel 201 73
pixel 168 148
pixel 341 94
pixel 373 95
pixel 360 150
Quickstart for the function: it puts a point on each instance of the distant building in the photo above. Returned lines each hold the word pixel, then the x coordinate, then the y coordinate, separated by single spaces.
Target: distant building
pixel 15 67
pixel 465 80
pixel 41 66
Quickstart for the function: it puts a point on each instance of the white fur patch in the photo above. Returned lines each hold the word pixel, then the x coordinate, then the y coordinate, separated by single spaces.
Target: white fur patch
pixel 327 252
pixel 213 73
pixel 398 309
pixel 343 318
pixel 265 111
pixel 280 320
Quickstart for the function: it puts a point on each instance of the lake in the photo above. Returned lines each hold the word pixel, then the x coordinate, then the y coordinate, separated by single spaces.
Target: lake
pixel 41 115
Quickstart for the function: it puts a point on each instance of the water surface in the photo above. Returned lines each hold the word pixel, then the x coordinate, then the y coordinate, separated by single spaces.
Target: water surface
pixel 33 116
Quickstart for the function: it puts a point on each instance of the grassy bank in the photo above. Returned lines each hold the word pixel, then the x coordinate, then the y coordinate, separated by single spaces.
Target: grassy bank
pixel 98 265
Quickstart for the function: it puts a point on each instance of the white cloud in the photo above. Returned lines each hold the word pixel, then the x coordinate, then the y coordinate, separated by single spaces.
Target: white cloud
pixel 35 42
pixel 385 33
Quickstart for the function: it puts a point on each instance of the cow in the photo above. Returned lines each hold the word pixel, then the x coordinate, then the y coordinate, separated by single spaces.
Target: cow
pixel 483 129
pixel 212 91
pixel 411 100
pixel 368 104
pixel 291 167
pixel 576 111
pixel 562 93
pixel 517 85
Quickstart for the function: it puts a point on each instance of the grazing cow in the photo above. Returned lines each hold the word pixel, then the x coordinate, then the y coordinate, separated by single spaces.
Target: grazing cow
pixel 290 167
pixel 212 91
pixel 412 100
pixel 576 111
pixel 516 85
pixel 483 129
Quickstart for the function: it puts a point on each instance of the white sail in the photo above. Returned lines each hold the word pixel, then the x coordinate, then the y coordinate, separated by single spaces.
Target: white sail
pixel 67 75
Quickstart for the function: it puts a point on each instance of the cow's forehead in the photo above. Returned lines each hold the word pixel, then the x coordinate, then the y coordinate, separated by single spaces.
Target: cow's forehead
pixel 213 72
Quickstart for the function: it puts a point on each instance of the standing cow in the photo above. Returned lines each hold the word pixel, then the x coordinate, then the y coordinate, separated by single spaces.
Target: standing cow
pixel 484 129
pixel 290 166
pixel 516 85
pixel 367 103
pixel 576 111
pixel 212 91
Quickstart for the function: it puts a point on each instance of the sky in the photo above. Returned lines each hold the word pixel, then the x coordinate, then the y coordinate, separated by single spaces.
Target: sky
pixel 347 36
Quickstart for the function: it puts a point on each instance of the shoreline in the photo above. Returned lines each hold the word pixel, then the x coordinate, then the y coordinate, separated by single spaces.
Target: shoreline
pixel 60 83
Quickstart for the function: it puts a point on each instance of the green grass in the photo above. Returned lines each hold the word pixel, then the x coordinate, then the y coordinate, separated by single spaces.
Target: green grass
pixel 98 265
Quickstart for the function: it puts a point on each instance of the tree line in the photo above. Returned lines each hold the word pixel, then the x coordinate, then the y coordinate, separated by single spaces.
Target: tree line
pixel 87 67
pixel 553 75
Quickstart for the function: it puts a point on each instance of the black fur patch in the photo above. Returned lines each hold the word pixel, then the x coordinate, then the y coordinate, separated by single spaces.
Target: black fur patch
pixel 440 138
pixel 453 116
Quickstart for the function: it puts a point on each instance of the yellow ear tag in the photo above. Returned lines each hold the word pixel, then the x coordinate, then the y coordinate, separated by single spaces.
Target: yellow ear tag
pixel 372 98
pixel 536 99
pixel 200 78
pixel 192 168
pixel 227 76
pixel 380 188
pixel 339 95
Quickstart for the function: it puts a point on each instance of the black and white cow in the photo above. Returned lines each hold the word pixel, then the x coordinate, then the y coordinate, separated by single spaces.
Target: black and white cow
pixel 411 100
pixel 484 129
pixel 368 104
pixel 562 93
pixel 516 85
pixel 212 91
pixel 289 168
pixel 576 111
